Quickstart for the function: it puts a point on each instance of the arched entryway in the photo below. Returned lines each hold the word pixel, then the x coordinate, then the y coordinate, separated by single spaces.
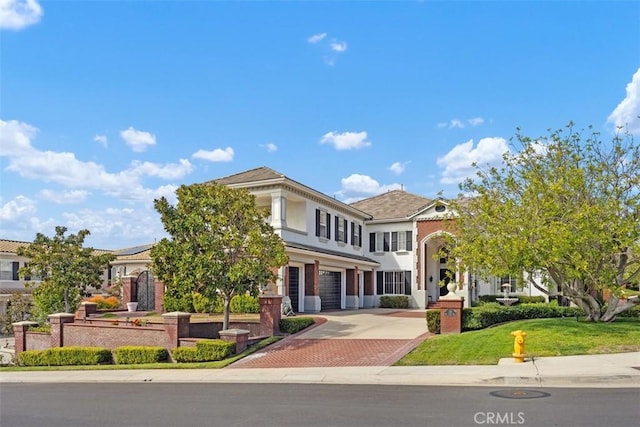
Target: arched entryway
pixel 434 266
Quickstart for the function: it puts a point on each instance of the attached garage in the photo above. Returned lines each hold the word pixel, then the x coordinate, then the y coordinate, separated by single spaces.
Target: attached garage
pixel 330 290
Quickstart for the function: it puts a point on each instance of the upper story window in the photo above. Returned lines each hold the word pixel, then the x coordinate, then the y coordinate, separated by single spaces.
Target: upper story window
pixel 323 224
pixel 341 229
pixel 356 234
pixel 9 270
pixel 384 241
pixel 501 283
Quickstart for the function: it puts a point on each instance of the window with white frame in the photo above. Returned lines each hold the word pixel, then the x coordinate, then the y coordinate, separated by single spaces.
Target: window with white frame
pixel 510 280
pixel 8 270
pixel 356 234
pixel 393 282
pixel 401 241
pixel 385 241
pixel 323 224
pixel 341 229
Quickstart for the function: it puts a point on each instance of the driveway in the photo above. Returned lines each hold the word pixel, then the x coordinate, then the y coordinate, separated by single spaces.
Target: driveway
pixel 372 337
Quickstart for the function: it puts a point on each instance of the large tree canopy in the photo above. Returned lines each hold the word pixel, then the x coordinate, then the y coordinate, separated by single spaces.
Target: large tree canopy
pixel 565 210
pixel 66 270
pixel 220 244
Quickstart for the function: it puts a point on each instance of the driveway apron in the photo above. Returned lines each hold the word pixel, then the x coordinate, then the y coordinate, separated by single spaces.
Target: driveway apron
pixel 373 337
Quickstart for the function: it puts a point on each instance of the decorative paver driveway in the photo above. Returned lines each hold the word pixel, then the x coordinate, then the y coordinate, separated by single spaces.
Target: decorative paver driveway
pixel 347 338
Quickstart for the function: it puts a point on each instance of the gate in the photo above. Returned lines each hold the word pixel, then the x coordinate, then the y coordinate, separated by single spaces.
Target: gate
pixel 145 291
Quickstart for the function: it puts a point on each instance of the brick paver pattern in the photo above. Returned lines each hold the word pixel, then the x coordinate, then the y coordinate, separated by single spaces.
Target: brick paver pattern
pixel 311 353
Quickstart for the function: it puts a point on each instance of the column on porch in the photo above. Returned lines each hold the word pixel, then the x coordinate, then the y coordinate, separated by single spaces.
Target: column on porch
pixel 369 294
pixel 353 298
pixel 312 287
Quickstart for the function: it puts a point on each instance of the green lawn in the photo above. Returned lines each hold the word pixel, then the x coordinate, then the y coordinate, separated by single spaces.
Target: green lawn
pixel 545 337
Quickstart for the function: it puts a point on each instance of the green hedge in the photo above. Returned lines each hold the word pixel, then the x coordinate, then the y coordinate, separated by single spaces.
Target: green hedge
pixel 395 301
pixel 291 325
pixel 130 355
pixel 64 356
pixel 433 321
pixel 244 304
pixel 204 351
pixel 522 299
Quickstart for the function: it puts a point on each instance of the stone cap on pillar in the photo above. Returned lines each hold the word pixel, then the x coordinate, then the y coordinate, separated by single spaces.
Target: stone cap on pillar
pixel 234 332
pixel 61 317
pixel 25 323
pixel 176 314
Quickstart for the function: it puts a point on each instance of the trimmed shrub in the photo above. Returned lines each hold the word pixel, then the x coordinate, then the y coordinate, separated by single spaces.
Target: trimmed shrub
pixel 291 325
pixel 489 314
pixel 394 301
pixel 129 355
pixel 65 356
pixel 433 321
pixel 522 299
pixel 204 351
pixel 244 304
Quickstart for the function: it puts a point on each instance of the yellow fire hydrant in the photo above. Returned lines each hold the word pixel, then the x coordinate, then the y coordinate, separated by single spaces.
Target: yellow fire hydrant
pixel 518 346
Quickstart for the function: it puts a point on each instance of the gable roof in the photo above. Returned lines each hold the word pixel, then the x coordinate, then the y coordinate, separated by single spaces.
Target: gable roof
pixel 393 204
pixel 262 173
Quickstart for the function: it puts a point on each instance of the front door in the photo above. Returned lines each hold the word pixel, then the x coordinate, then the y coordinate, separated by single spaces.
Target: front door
pixel 145 291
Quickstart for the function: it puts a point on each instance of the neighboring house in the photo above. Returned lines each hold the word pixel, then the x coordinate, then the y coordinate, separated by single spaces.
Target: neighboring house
pixel 341 256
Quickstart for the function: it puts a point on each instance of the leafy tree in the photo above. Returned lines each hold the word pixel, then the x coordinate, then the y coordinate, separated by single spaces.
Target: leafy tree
pixel 66 270
pixel 18 309
pixel 565 210
pixel 220 245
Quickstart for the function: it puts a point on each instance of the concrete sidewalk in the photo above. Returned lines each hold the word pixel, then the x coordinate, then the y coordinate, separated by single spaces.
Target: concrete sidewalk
pixel 612 370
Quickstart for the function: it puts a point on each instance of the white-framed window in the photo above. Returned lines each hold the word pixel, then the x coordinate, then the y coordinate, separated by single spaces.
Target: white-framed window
pixel 341 229
pixel 393 282
pixel 401 241
pixel 356 234
pixel 510 280
pixel 385 241
pixel 8 270
pixel 323 224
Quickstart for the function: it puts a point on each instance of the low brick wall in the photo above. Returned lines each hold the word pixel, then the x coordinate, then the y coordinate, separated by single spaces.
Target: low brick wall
pixel 112 337
pixel 39 340
pixel 212 329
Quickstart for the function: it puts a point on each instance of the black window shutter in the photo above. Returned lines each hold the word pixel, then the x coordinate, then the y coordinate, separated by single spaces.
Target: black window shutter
pixel 337 228
pixel 385 242
pixel 328 236
pixel 346 228
pixel 407 283
pixel 380 282
pixel 317 222
pixel 372 242
pixel 353 234
pixel 359 235
pixel 15 267
pixel 394 241
pixel 409 241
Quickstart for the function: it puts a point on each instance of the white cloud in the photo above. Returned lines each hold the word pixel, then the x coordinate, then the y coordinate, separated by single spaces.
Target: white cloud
pixel 346 140
pixel 18 14
pixel 102 139
pixel 316 38
pixel 398 167
pixel 356 187
pixel 338 46
pixel 270 147
pixel 19 208
pixel 16 138
pixel 456 123
pixel 627 112
pixel 461 124
pixel 458 163
pixel 217 155
pixel 64 197
pixel 168 171
pixel 475 121
pixel 138 140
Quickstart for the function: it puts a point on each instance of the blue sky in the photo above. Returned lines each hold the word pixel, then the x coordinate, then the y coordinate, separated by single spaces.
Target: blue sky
pixel 105 106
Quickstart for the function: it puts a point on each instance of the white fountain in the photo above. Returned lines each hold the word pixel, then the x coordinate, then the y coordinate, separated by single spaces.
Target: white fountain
pixel 506 299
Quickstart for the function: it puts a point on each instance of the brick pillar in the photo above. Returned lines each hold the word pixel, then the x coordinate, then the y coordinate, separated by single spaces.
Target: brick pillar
pixel 312 287
pixel 351 281
pixel 129 291
pixel 57 322
pixel 159 296
pixel 270 314
pixel 369 298
pixel 86 309
pixel 176 326
pixel 240 337
pixel 20 332
pixel 450 315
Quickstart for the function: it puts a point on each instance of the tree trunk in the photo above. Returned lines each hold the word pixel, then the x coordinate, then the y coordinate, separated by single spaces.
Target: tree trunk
pixel 614 308
pixel 226 311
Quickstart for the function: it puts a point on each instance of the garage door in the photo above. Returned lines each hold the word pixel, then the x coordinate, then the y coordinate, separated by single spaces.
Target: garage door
pixel 329 290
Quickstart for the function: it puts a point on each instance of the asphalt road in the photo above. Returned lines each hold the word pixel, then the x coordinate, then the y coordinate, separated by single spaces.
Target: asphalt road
pixel 312 405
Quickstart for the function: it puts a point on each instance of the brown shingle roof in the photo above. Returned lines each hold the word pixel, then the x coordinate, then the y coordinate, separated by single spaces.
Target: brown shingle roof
pixel 262 173
pixel 392 204
pixel 11 245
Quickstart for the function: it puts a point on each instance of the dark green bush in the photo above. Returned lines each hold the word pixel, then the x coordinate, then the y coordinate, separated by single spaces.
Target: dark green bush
pixel 204 351
pixel 522 299
pixel 433 321
pixel 489 314
pixel 129 355
pixel 64 356
pixel 291 325
pixel 394 301
pixel 244 304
